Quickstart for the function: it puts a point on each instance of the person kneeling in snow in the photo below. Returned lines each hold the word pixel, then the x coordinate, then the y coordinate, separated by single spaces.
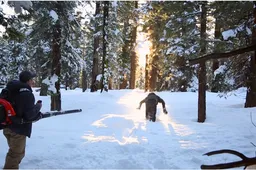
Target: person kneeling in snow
pixel 151 102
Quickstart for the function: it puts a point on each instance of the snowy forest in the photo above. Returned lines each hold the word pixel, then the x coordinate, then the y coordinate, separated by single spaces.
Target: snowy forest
pixel 99 45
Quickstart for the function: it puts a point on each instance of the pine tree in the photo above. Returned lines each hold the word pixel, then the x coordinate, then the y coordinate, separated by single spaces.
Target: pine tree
pixel 56 30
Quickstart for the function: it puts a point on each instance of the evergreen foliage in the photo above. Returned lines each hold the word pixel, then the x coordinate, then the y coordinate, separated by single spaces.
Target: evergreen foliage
pixel 173 28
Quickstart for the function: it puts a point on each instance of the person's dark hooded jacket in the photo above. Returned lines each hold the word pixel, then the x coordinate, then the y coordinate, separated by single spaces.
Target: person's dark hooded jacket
pixel 151 102
pixel 23 101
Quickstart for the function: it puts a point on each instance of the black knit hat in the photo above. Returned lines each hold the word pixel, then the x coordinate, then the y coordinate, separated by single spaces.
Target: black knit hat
pixel 25 76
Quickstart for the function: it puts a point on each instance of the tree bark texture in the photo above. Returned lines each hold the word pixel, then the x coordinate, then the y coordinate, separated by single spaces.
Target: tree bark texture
pixel 202 93
pixel 56 65
pixel 215 63
pixel 251 82
pixel 146 74
pixel 105 24
pixel 133 53
pixel 84 81
pixel 44 87
pixel 202 69
pixel 153 74
pixel 125 55
pixel 96 38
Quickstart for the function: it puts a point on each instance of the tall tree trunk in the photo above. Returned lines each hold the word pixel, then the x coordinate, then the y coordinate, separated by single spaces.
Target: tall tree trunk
pixel 110 83
pixel 96 38
pixel 146 74
pixel 215 63
pixel 44 87
pixel 66 81
pixel 153 74
pixel 153 60
pixel 84 80
pixel 202 70
pixel 251 82
pixel 133 70
pixel 202 93
pixel 125 55
pixel 124 83
pixel 56 65
pixel 133 53
pixel 105 24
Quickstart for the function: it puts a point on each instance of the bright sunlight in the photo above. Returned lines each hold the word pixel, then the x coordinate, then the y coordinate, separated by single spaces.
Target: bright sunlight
pixel 143 47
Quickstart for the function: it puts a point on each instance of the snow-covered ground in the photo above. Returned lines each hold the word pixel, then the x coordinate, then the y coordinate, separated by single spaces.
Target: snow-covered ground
pixel 110 133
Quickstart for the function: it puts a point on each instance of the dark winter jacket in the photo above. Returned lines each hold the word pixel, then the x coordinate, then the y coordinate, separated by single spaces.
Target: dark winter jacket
pixel 152 100
pixel 23 101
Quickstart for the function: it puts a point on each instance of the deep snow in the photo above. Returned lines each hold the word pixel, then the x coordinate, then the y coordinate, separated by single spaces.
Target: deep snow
pixel 111 133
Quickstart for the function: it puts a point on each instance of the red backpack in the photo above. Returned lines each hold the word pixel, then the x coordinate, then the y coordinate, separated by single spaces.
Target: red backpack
pixel 6 109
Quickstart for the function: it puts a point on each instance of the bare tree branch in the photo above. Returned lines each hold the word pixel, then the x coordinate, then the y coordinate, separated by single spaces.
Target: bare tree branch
pixel 222 55
pixel 242 156
pixel 244 162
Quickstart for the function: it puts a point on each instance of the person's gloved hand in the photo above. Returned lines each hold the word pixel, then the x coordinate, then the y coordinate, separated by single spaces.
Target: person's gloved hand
pixel 138 108
pixel 39 104
pixel 40 116
pixel 165 111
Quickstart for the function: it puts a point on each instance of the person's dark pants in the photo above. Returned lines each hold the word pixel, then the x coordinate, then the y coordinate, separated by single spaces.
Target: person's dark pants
pixel 151 112
pixel 16 151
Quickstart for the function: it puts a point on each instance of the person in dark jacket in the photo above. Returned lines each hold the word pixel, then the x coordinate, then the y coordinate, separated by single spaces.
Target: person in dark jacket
pixel 151 102
pixel 23 102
